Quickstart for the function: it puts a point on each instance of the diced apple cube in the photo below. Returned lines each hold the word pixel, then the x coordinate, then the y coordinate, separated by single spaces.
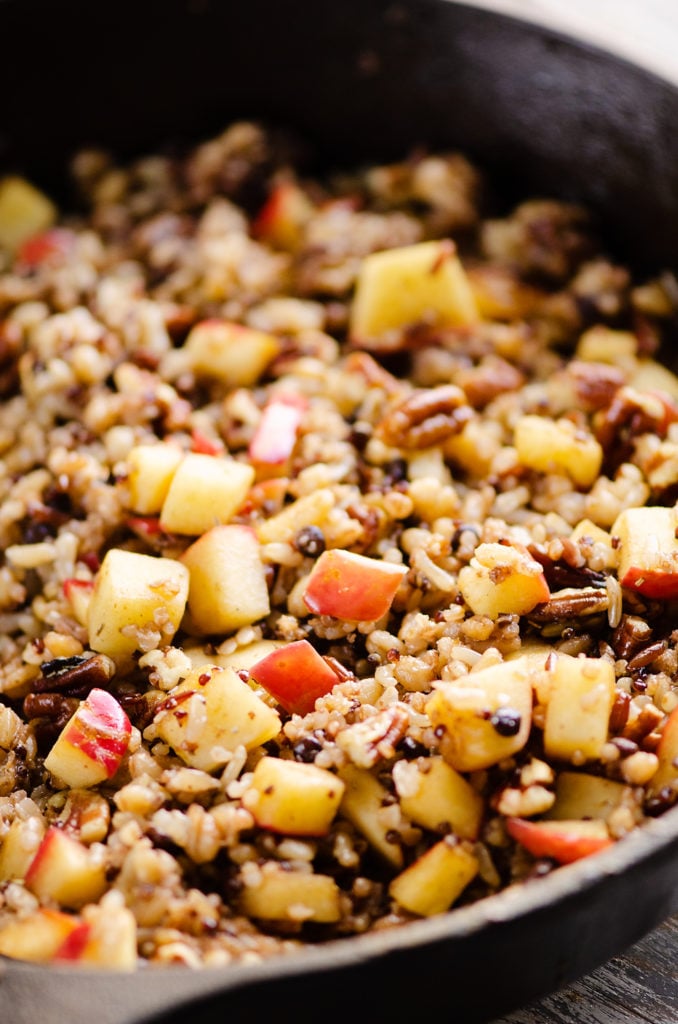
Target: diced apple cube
pixel 66 872
pixel 227 586
pixel 292 797
pixel 502 579
pixel 558 446
pixel 92 744
pixel 24 211
pixel 230 352
pixel 78 593
pixel 296 675
pixel 265 497
pixel 398 288
pixel 581 692
pixel 588 530
pixel 241 659
pixel 211 713
pixel 109 939
pixel 86 815
pixel 582 795
pixel 47 247
pixel 135 593
pixel 648 550
pixel 563 841
pixel 18 847
pixel 282 218
pixel 432 794
pixel 309 510
pixel 500 294
pixel 483 717
pixel 433 882
pixel 37 937
pixel 600 344
pixel 363 803
pixel 204 491
pixel 280 895
pixel 473 448
pixel 649 375
pixel 150 471
pixel 275 437
pixel 351 586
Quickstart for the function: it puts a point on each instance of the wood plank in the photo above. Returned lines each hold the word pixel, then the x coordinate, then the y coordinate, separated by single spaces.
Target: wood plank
pixel 640 987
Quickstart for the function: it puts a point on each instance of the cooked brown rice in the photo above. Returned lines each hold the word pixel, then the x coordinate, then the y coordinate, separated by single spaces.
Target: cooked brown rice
pixel 489 451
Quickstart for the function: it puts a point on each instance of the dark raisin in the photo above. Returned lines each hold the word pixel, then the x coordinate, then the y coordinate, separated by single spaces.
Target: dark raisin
pixel 34 533
pixel 411 748
pixel 359 437
pixel 660 802
pixel 310 540
pixel 307 749
pixel 506 721
pixel 625 746
pixel 395 470
pixel 58 665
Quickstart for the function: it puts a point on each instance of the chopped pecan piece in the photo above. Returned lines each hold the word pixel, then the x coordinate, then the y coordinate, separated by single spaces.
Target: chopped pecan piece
pixel 629 414
pixel 570 603
pixel 594 384
pixel 426 418
pixel 76 676
pixel 630 636
pixel 490 378
pixel 376 738
pixel 645 722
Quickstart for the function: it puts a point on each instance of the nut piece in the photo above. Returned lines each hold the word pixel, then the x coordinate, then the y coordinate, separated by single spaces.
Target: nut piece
pixel 426 418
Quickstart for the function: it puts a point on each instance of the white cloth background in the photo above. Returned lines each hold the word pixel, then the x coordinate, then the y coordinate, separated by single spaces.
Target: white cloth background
pixel 643 30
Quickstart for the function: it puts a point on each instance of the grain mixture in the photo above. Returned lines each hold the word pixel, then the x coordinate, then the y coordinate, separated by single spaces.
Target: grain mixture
pixel 339 559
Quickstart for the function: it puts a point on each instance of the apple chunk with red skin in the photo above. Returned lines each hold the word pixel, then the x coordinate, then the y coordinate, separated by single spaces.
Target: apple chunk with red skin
pixel 563 841
pixel 92 744
pixel 648 551
pixel 40 937
pixel 276 434
pixel 66 871
pixel 667 754
pixel 281 220
pixel 105 936
pixel 349 586
pixel 49 246
pixel 78 594
pixel 230 352
pixel 296 675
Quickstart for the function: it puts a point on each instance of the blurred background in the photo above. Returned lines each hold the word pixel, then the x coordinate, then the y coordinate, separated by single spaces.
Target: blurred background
pixel 643 30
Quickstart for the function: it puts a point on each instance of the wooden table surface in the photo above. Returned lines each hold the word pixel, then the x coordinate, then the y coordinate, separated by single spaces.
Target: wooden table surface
pixel 640 986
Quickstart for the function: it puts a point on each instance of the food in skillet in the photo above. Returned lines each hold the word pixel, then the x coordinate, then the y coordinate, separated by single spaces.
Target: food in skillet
pixel 339 562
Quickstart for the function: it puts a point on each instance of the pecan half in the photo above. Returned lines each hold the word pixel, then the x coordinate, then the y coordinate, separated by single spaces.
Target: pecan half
pixel 426 418
pixel 74 676
pixel 491 377
pixel 629 414
pixel 571 603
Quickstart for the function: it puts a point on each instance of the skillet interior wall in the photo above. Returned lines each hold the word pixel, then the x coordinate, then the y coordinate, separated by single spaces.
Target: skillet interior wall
pixel 360 80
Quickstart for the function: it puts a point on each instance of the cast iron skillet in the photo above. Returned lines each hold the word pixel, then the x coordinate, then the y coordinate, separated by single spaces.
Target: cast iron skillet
pixel 366 80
